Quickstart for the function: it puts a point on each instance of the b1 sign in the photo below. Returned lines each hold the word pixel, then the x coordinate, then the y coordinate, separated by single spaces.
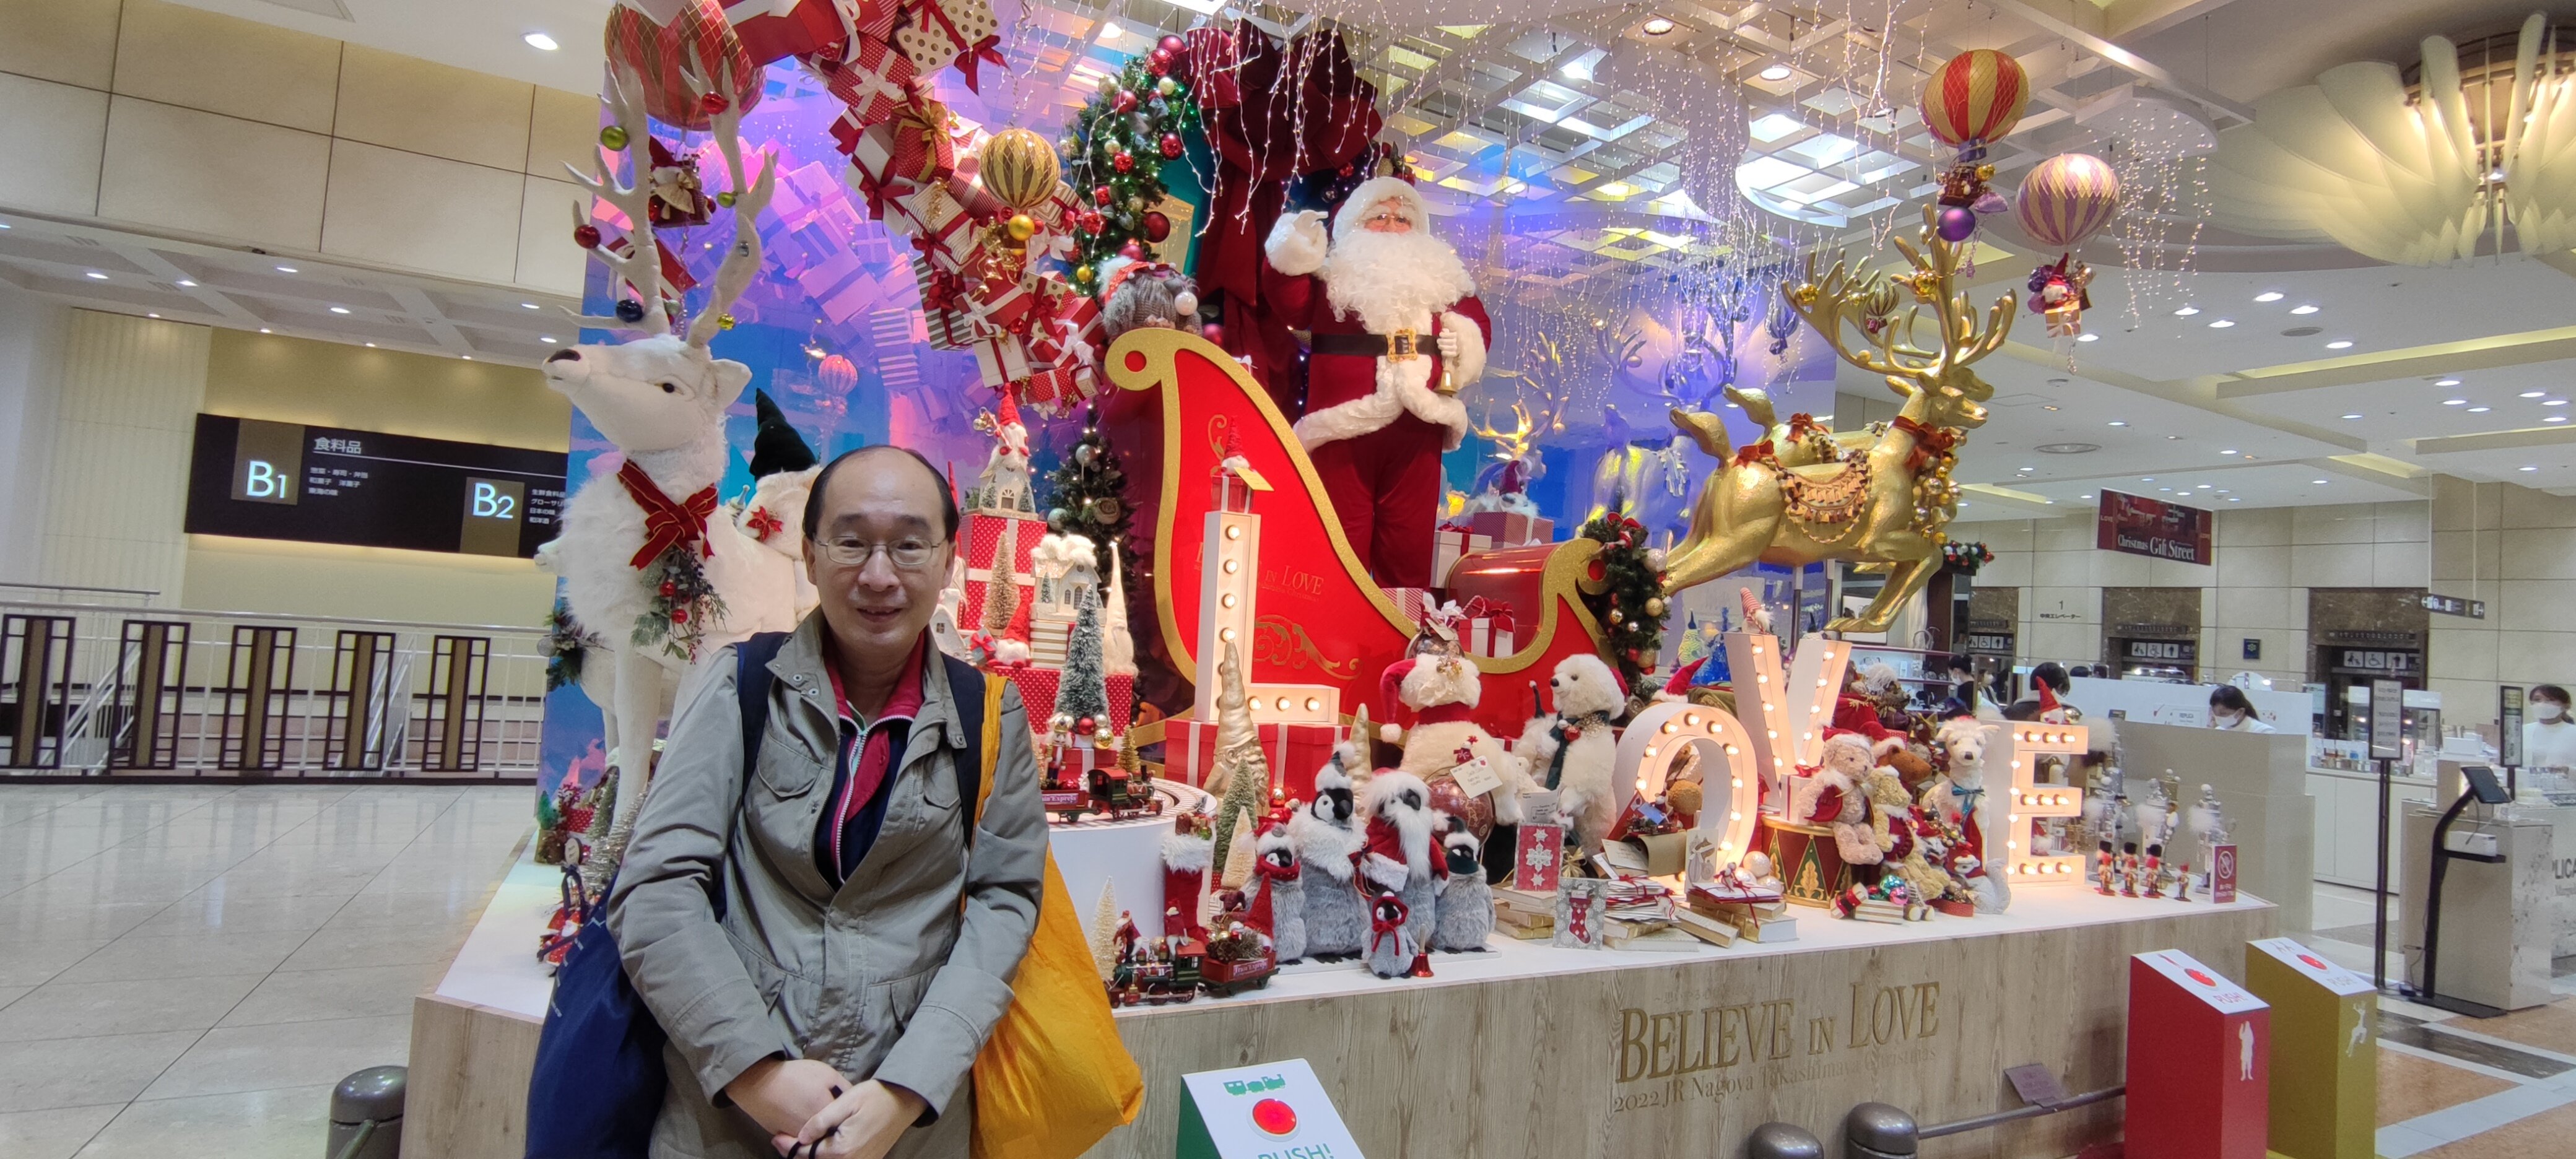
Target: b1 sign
pixel 1271 1111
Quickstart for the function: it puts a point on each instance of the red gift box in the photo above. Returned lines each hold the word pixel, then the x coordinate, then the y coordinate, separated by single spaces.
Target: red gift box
pixel 1413 602
pixel 1040 686
pixel 915 144
pixel 866 74
pixel 1294 752
pixel 767 35
pixel 984 535
pixel 1507 528
pixel 1451 544
pixel 934 32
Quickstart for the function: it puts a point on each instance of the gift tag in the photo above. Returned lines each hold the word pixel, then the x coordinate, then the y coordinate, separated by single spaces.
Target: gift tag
pixel 1538 857
pixel 1477 777
pixel 1538 807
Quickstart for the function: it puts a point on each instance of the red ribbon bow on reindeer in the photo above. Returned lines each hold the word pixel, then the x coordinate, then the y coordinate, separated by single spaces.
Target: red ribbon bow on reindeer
pixel 666 524
pixel 1929 441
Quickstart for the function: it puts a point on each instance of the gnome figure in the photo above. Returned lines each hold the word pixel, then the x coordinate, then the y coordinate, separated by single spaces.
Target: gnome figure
pixel 1280 910
pixel 1391 948
pixel 1466 911
pixel 1325 842
pixel 1399 856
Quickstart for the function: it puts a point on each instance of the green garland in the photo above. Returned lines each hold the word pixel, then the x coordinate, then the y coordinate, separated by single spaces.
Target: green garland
pixel 1143 115
pixel 1966 557
pixel 1631 606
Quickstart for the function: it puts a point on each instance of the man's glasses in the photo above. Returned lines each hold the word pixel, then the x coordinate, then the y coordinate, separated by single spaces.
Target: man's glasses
pixel 905 555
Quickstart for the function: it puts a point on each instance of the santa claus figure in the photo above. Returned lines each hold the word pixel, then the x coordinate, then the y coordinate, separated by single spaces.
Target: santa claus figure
pixel 1398 332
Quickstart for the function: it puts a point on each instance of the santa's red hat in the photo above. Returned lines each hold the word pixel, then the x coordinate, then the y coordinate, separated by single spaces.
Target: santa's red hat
pixel 2048 700
pixel 1356 208
pixel 1008 414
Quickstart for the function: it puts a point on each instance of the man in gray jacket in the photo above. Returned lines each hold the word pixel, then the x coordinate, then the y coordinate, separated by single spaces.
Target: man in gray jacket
pixel 867 946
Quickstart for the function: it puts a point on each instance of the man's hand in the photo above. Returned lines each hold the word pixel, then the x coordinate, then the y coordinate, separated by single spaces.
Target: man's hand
pixel 781 1094
pixel 864 1123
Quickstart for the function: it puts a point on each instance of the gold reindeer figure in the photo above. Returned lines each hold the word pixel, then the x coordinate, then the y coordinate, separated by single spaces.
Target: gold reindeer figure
pixel 1882 504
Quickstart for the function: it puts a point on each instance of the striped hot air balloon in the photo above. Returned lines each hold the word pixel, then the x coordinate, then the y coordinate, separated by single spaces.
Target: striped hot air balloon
pixel 2066 198
pixel 696 41
pixel 1977 95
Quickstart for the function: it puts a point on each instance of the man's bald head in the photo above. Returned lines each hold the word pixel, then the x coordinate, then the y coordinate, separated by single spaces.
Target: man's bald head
pixel 863 458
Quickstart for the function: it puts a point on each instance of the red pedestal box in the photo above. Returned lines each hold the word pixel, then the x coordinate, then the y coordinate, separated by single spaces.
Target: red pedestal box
pixel 983 538
pixel 1038 689
pixel 1295 752
pixel 2199 1062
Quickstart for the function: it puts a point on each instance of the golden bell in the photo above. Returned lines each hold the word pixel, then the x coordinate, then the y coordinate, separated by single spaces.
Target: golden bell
pixel 1019 167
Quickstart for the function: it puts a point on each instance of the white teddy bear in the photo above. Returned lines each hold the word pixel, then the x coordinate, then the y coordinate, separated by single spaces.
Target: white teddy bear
pixel 1572 750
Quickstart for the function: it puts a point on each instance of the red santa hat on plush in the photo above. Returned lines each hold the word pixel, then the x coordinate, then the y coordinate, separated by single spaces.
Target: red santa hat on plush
pixel 1012 648
pixel 1398 848
pixel 1437 689
pixel 2050 711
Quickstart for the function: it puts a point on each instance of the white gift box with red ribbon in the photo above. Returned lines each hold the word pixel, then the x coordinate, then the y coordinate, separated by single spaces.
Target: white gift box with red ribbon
pixel 1489 636
pixel 1449 545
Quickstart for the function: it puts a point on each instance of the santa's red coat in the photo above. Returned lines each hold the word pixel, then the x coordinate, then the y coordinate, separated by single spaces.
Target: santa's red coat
pixel 1337 380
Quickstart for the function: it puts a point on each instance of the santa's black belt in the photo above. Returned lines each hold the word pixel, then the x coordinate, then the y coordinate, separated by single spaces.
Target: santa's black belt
pixel 1401 344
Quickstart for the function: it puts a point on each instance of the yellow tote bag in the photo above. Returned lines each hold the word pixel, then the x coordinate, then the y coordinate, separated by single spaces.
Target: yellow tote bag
pixel 1049 1088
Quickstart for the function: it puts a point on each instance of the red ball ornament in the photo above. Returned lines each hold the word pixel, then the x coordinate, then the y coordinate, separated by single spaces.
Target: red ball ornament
pixel 1171 145
pixel 1157 64
pixel 1157 226
pixel 1124 162
pixel 1093 222
pixel 1083 725
pixel 1124 103
pixel 1596 571
pixel 1132 252
pixel 1100 195
pixel 669 589
pixel 1213 332
pixel 714 103
pixel 1173 45
pixel 586 236
pixel 679 615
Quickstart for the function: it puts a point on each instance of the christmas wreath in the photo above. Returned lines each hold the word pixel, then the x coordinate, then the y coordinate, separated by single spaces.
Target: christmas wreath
pixel 1115 153
pixel 1966 558
pixel 683 602
pixel 1631 604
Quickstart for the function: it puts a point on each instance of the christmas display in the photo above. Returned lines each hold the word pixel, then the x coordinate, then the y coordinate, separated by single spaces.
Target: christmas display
pixel 1115 153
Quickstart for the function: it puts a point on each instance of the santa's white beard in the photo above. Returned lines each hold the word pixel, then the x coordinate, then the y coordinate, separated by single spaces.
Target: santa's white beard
pixel 1393 281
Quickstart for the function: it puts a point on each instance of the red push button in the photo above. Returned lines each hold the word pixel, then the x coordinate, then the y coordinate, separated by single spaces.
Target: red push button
pixel 1274 1117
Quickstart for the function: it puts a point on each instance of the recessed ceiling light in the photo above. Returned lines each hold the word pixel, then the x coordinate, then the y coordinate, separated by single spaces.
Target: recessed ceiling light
pixel 2166 489
pixel 2234 499
pixel 151 315
pixel 97 275
pixel 2087 495
pixel 2186 311
pixel 2340 344
pixel 527 305
pixel 2048 408
pixel 2118 423
pixel 2352 416
pixel 2555 419
pixel 6 225
pixel 2026 468
pixel 2530 468
pixel 2446 382
pixel 2479 410
pixel 2455 402
pixel 339 309
pixel 265 330
pixel 2554 402
pixel 185 284
pixel 2222 491
pixel 2202 487
pixel 541 42
pixel 2268 296
pixel 2221 324
pixel 371 346
pixel 2088 337
pixel 1776 72
pixel 2318 482
pixel 1657 27
pixel 2170 438
pixel 286 269
pixel 467 357
pixel 2303 309
pixel 2147 479
pixel 2531 394
pixel 545 337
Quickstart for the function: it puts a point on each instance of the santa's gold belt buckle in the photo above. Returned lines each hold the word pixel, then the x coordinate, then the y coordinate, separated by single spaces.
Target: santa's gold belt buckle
pixel 1403 344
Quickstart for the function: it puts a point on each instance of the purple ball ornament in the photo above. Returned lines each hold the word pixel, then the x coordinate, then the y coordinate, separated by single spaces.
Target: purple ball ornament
pixel 1955 224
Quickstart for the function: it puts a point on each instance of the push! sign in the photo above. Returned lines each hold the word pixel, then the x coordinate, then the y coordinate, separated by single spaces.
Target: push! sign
pixel 1272 1111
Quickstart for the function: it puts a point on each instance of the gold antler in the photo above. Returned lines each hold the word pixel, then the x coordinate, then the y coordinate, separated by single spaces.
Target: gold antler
pixel 641 265
pixel 742 261
pixel 1515 440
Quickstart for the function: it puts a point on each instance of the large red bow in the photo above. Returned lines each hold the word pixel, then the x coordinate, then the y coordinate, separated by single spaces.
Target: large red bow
pixel 667 524
pixel 1380 927
pixel 1929 441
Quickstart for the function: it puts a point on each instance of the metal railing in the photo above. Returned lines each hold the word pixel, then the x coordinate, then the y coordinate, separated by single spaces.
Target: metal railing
pixel 93 688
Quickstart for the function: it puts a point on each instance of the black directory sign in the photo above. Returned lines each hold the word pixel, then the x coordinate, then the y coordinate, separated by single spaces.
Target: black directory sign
pixel 271 480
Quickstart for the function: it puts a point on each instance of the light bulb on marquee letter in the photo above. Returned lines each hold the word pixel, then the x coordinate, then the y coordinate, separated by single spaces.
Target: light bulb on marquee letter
pixel 2026 803
pixel 1799 704
pixel 1659 735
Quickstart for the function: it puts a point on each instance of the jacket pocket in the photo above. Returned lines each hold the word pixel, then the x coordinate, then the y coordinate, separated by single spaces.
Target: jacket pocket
pixel 786 769
pixel 898 1000
pixel 939 785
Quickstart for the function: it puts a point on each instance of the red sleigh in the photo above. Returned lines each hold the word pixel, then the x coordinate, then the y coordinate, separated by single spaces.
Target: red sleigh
pixel 1320 619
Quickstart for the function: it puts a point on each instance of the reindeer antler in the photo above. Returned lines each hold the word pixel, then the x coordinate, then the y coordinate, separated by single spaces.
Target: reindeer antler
pixel 1933 283
pixel 1515 440
pixel 741 261
pixel 641 265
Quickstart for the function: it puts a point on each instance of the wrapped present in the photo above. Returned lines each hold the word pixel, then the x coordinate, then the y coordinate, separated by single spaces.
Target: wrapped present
pixel 1451 544
pixel 876 19
pixel 984 536
pixel 1507 528
pixel 1490 635
pixel 1040 686
pixel 915 144
pixel 1000 358
pixel 950 327
pixel 936 224
pixel 866 74
pixel 768 33
pixel 936 32
pixel 1413 602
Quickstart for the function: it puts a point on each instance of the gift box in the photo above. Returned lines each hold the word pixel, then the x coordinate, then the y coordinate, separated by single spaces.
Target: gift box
pixel 984 535
pixel 866 74
pixel 934 32
pixel 914 145
pixel 768 34
pixel 1000 359
pixel 1413 602
pixel 1508 528
pixel 1490 635
pixel 1451 544
pixel 1040 686
pixel 1294 751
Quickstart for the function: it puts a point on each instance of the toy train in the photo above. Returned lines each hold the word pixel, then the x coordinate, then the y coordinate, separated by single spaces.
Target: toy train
pixel 1118 794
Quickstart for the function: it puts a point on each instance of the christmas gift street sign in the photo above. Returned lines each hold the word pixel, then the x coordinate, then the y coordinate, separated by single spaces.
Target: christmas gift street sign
pixel 1270 1111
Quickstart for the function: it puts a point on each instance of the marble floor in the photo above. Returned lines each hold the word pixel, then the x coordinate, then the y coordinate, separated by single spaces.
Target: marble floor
pixel 188 970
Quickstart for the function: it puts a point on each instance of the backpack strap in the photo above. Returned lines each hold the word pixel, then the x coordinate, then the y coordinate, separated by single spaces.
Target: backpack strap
pixel 978 700
pixel 751 682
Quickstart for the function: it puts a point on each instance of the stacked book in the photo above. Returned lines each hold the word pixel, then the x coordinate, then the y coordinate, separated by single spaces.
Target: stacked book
pixel 1757 915
pixel 1524 915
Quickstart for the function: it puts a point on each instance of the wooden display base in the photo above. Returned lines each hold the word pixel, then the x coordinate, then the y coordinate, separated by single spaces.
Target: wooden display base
pixel 1527 1050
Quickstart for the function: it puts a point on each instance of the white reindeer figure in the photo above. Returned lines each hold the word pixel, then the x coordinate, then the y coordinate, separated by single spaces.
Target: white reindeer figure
pixel 662 399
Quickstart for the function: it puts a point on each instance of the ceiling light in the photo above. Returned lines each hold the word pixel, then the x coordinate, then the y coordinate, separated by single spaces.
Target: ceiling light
pixel 286 269
pixel 339 309
pixel 2318 482
pixel 2303 309
pixel 2479 410
pixel 1657 27
pixel 185 284
pixel 2531 394
pixel 2088 337
pixel 2028 468
pixel 371 346
pixel 6 225
pixel 2446 382
pixel 2167 489
pixel 1776 72
pixel 2170 438
pixel 2228 452
pixel 2147 479
pixel 265 330
pixel 2555 419
pixel 2085 496
pixel 151 315
pixel 2203 487
pixel 2048 408
pixel 2530 468
pixel 527 305
pixel 2186 311
pixel 98 275
pixel 545 337
pixel 2455 402
pixel 541 42
pixel 2221 324
pixel 2118 423
pixel 2222 490
pixel 2555 402
pixel 2268 296
pixel 2234 499
pixel 467 357
pixel 2340 344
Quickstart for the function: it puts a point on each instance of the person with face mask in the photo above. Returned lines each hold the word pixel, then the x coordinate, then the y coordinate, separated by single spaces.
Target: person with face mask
pixel 2548 736
pixel 2229 710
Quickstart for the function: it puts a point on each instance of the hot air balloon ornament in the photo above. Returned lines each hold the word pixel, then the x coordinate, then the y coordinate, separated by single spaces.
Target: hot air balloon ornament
pixel 1972 101
pixel 2065 200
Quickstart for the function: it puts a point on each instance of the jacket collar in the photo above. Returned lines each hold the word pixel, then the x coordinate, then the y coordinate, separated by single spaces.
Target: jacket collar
pixel 799 664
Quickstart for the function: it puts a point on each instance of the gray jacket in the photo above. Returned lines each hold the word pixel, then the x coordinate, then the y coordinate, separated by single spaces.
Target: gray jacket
pixel 888 976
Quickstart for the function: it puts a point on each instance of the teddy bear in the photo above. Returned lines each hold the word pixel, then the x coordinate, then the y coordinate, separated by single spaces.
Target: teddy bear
pixel 1957 796
pixel 1891 816
pixel 1465 915
pixel 1832 796
pixel 1441 686
pixel 1571 750
pixel 1912 767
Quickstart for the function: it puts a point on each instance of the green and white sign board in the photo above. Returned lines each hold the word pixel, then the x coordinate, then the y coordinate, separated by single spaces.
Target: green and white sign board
pixel 1271 1111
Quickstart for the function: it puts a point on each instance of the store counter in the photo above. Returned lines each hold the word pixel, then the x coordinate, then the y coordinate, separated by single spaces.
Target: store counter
pixel 1530 1050
pixel 2347 823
